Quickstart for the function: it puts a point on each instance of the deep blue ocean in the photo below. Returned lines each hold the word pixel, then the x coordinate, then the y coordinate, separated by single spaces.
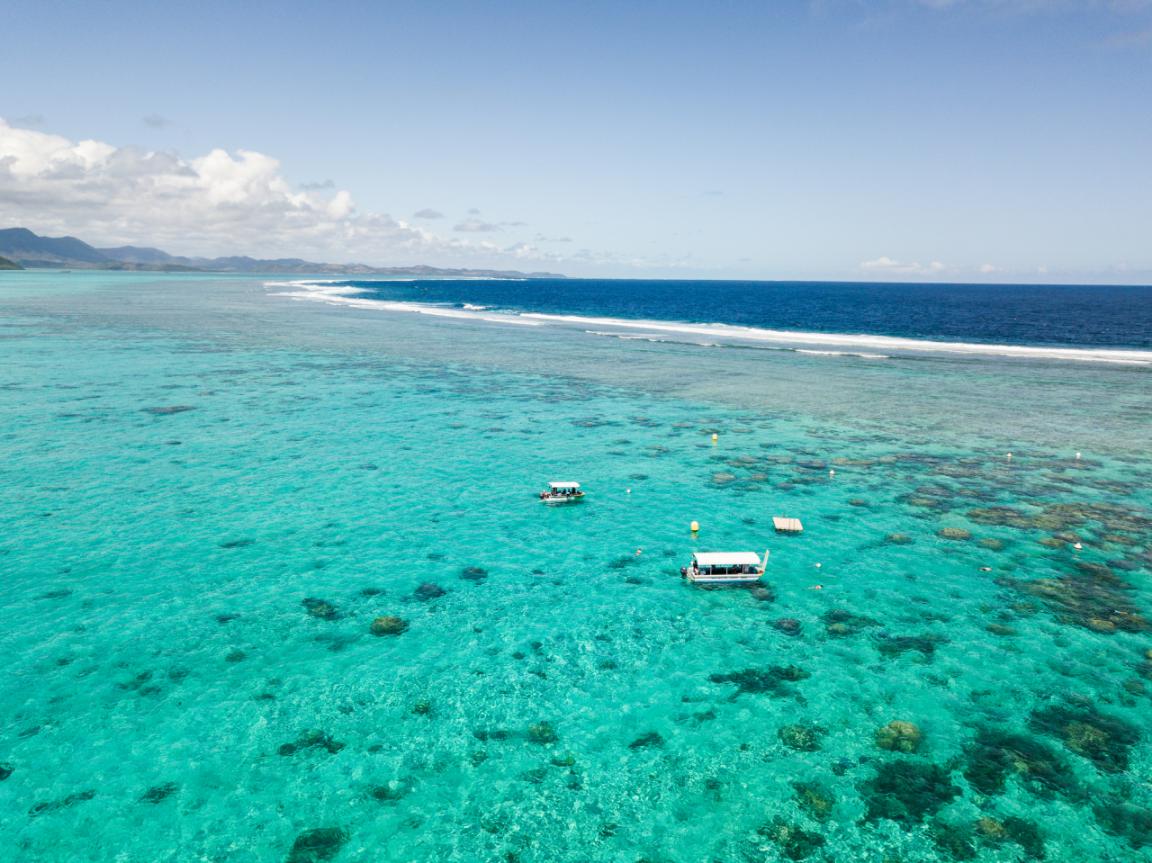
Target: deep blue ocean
pixel 1068 315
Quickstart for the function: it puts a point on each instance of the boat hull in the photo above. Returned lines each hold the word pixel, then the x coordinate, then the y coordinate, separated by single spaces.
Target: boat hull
pixel 750 578
pixel 563 499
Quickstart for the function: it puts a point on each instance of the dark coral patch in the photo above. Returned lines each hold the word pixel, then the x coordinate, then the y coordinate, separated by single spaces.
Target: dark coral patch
pixel 473 573
pixel 388 625
pixel 137 684
pixel 320 609
pixel 815 799
pixel 428 591
pixel 47 806
pixel 788 626
pixel 646 740
pixel 763 681
pixel 801 737
pixel 1004 516
pixel 1127 820
pixel 391 792
pixel 159 792
pixel 168 410
pixel 838 622
pixel 317 846
pixel 762 592
pixel 542 734
pixel 1027 835
pixel 1103 739
pixel 311 740
pixel 908 791
pixel 956 533
pixel 994 833
pixel 624 561
pixel 1093 597
pixel 995 755
pixel 955 840
pixel 794 843
pixel 486 734
pixel 895 645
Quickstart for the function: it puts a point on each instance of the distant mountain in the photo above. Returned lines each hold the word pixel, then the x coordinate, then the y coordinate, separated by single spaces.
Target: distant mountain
pixel 137 255
pixel 32 250
pixel 6 264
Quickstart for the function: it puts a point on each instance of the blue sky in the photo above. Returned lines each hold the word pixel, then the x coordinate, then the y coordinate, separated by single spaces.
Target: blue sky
pixel 972 139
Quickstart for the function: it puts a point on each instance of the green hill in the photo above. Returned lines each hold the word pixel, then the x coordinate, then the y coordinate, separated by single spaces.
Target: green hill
pixel 6 264
pixel 29 249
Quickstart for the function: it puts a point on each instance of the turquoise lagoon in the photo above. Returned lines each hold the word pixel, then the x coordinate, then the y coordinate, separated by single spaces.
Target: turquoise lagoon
pixel 211 491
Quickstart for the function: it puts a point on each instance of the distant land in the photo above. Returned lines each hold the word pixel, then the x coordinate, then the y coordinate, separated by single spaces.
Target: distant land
pixel 6 264
pixel 23 248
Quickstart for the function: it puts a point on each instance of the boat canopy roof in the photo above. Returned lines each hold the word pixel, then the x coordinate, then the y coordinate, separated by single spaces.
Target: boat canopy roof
pixel 564 484
pixel 726 558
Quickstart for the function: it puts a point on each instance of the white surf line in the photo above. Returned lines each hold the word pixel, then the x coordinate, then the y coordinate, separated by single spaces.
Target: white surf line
pixel 886 343
pixel 337 294
pixel 857 354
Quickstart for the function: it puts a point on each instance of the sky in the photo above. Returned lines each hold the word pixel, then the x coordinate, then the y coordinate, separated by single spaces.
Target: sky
pixel 953 140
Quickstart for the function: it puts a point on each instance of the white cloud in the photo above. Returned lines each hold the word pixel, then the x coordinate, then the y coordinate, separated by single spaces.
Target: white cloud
pixel 884 264
pixel 476 226
pixel 988 269
pixel 218 203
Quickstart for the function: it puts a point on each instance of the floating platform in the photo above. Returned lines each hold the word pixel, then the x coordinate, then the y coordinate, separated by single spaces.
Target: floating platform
pixel 787 525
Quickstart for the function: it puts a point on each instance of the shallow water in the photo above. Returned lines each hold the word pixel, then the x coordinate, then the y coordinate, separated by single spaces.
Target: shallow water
pixel 188 460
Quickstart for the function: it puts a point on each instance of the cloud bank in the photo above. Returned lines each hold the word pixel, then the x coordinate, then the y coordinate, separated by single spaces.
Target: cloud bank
pixel 216 204
pixel 889 266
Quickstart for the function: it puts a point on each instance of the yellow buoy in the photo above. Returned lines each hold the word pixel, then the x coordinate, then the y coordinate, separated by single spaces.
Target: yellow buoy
pixel 695 527
pixel 715 437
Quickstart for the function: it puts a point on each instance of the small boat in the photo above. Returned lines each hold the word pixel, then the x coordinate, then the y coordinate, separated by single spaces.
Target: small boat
pixel 562 492
pixel 725 567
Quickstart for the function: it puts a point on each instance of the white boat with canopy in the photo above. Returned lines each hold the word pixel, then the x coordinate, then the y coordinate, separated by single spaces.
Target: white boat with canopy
pixel 562 492
pixel 725 567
